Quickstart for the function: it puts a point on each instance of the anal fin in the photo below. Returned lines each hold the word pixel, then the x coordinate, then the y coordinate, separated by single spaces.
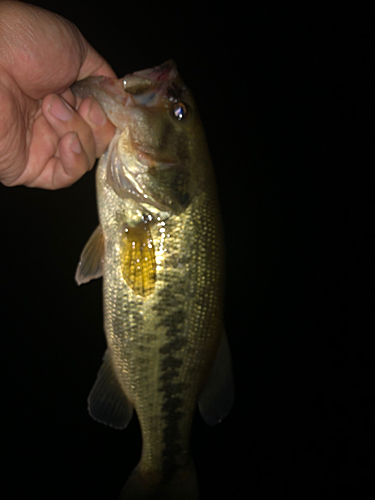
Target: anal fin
pixel 107 402
pixel 217 396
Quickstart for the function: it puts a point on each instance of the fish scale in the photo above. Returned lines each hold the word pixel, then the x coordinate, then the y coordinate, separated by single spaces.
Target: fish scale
pixel 160 251
pixel 158 330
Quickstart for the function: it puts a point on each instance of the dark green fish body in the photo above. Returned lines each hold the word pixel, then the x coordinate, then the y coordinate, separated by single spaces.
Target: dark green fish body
pixel 159 248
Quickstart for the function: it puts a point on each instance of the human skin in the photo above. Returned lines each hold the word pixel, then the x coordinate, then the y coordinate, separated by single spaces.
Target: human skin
pixel 49 138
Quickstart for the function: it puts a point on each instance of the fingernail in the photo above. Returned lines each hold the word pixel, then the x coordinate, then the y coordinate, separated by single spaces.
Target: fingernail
pixel 96 114
pixel 75 144
pixel 60 109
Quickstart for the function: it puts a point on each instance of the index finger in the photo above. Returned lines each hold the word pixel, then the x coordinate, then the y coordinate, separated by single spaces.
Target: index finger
pixel 94 64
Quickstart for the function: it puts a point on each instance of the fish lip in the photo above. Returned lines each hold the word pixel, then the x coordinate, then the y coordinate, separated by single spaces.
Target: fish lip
pixel 93 85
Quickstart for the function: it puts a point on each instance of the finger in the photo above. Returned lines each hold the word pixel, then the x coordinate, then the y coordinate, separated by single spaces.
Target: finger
pixel 102 129
pixel 90 110
pixel 72 164
pixel 69 97
pixel 43 147
pixel 68 165
pixel 65 149
pixel 94 64
pixel 54 160
pixel 63 119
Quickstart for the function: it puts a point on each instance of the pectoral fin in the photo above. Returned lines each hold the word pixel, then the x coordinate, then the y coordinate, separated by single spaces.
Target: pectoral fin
pixel 90 264
pixel 107 402
pixel 138 259
pixel 216 397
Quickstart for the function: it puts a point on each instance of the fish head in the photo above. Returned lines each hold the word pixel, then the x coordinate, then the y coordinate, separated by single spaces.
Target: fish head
pixel 160 143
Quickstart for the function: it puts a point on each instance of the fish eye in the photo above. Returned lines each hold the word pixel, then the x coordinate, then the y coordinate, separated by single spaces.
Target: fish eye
pixel 180 110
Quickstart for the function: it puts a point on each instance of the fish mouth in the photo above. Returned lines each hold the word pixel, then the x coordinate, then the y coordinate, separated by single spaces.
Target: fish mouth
pixel 119 96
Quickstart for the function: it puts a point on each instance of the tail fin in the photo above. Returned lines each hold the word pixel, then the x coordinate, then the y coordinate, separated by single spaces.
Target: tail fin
pixel 148 486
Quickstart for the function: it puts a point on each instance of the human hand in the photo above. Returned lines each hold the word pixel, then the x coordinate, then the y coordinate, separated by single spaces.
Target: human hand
pixel 49 137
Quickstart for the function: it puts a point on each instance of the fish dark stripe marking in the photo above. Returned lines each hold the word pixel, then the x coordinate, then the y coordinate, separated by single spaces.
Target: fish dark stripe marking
pixel 174 321
pixel 174 345
pixel 172 408
pixel 170 368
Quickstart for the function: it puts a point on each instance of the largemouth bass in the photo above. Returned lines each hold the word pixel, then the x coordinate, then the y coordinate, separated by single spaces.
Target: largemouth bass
pixel 159 248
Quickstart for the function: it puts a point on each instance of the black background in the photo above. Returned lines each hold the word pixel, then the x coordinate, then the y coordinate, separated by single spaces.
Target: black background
pixel 284 93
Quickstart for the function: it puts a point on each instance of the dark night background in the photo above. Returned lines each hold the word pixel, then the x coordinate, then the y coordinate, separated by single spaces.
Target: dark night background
pixel 284 93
